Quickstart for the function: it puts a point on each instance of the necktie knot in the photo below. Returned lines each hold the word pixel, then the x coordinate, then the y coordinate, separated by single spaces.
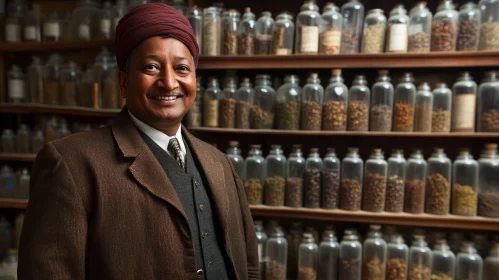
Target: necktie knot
pixel 174 148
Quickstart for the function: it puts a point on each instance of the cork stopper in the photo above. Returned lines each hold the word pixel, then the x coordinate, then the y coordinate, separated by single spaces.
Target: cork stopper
pixel 464 151
pixel 491 146
pixel 353 150
pixel 233 144
pixel 383 72
pixel 419 237
pixel 336 72
pixel 422 3
pixel 233 11
pixel 377 151
pixel 349 232
pixel 314 150
pixel 441 85
pixel 438 150
pixel 247 9
pixel 255 146
pixel 441 242
pixel 375 227
pixel 360 77
pixel 467 246
pixel 314 75
pixel 397 151
pixel 246 80
pixel 331 150
pixel 308 235
pixel 297 147
pixel 275 147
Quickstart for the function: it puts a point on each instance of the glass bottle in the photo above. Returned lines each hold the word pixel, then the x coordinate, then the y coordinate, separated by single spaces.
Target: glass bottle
pixel 195 114
pixel 211 103
pixel 469 263
pixel 179 5
pixel 23 189
pixel 261 239
pixel 234 155
pixel 330 30
pixel 33 24
pixel 491 263
pixel 264 31
pixel 9 264
pixel 295 172
pixel 444 27
pixel 276 173
pixel 14 21
pixel 87 87
pixel 277 254
pixel 65 27
pixel 63 130
pixel 227 105
pixel 284 34
pixel 195 17
pixel 244 100
pixel 313 169
pixel 438 183
pixel 419 259
pixel 51 129
pixel 424 109
pixel 443 261
pixel 331 180
pixel 329 253
pixel 464 184
pixel 256 168
pixel 468 27
pixel 5 235
pixel 358 105
pixel 246 33
pixel 262 110
pixel 419 30
pixel 9 141
pixel 35 80
pixel 37 141
pixel 373 39
pixel 488 103
pixel 351 181
pixel 374 194
pixel 107 87
pixel 405 98
pixel 415 183
pixel 211 31
pixel 86 20
pixel 334 111
pixel 442 104
pixel 288 104
pixel 464 103
pixel 307 29
pixel 69 84
pixel 397 258
pixel 308 258
pixel 23 141
pixel 374 256
pixel 398 24
pixel 395 184
pixel 51 77
pixel 353 15
pixel 488 180
pixel 313 99
pixel 7 182
pixel 230 22
pixel 16 85
pixel 105 21
pixel 382 103
pixel 350 257
pixel 489 25
pixel 52 29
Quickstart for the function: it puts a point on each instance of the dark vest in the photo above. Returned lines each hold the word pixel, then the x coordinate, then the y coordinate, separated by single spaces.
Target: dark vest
pixel 195 199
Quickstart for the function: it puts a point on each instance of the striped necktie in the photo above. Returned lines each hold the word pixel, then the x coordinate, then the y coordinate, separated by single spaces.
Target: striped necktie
pixel 174 148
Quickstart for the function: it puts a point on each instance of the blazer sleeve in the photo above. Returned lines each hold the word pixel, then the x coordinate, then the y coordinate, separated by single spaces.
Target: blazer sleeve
pixel 54 235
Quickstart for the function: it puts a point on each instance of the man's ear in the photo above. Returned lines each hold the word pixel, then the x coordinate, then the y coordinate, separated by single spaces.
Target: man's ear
pixel 122 83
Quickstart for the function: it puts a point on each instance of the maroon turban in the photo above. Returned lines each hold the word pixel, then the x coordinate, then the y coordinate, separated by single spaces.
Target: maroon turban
pixel 148 20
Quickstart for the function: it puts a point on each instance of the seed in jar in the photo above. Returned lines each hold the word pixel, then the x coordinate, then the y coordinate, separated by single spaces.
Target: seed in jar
pixel 489 121
pixel 443 35
pixel 381 118
pixel 358 115
pixel 330 188
pixel 374 192
pixel 437 194
pixel 373 40
pixel 334 115
pixel 226 111
pixel 467 38
pixel 351 194
pixel 311 115
pixel 349 42
pixel 374 269
pixel 229 42
pixel 440 121
pixel 419 42
pixel 307 273
pixel 464 200
pixel 275 270
pixel 288 114
pixel 274 191
pixel 261 119
pixel 414 196
pixel 242 114
pixel 489 40
pixel 396 269
pixel 254 188
pixel 247 44
pixel 394 194
pixel 488 204
pixel 313 188
pixel 403 117
pixel 419 272
pixel 294 192
pixel 422 119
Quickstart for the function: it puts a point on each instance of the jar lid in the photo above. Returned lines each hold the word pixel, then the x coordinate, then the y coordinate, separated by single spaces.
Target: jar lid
pixel 441 85
pixel 464 150
pixel 375 11
pixel 314 150
pixel 491 146
pixel 274 147
pixel 353 149
pixel 308 235
pixel 331 150
pixel 377 151
pixel 467 245
pixel 284 15
pixel 336 71
pixel 266 13
pixel 441 242
pixel 397 151
pixel 438 150
pixel 383 72
pixel 246 80
pixel 247 9
pixel 424 86
pixel 314 75
pixel 255 146
pixel 233 144
pixel 375 227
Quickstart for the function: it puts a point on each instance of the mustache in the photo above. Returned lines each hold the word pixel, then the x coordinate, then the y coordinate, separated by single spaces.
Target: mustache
pixel 170 93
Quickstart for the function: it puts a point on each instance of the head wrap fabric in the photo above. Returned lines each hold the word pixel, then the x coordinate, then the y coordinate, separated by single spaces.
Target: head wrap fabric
pixel 148 20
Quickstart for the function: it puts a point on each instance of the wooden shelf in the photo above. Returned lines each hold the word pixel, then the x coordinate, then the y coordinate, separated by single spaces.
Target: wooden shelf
pixel 13 203
pixel 54 46
pixel 57 110
pixel 17 157
pixel 421 220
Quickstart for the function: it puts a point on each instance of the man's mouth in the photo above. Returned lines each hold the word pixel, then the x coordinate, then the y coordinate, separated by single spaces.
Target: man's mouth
pixel 167 97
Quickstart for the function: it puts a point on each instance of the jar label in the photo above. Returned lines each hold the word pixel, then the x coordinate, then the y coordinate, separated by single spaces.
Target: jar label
pixel 52 29
pixel 464 111
pixel 211 38
pixel 211 113
pixel 16 89
pixel 13 33
pixel 309 39
pixel 84 31
pixel 283 51
pixel 30 33
pixel 398 37
pixel 105 26
pixel 330 42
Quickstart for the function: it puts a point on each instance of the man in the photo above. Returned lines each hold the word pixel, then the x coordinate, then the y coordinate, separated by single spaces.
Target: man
pixel 143 198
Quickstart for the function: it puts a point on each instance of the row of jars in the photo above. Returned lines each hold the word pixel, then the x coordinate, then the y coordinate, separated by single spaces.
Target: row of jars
pixel 89 20
pixel 346 31
pixel 385 107
pixel 64 83
pixel 9 234
pixel 396 185
pixel 14 184
pixel 374 259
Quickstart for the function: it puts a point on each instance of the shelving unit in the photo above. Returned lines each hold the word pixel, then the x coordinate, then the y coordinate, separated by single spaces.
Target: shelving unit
pixel 4 157
pixel 57 110
pixel 14 203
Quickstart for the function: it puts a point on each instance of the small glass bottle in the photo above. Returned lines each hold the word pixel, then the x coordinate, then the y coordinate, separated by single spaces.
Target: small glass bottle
pixel 227 105
pixel 51 129
pixel 329 253
pixel 23 142
pixel 262 110
pixel 313 169
pixel 264 31
pixel 374 256
pixel 244 100
pixel 33 24
pixel 382 103
pixel 488 103
pixel 294 178
pixel 489 25
pixel 438 183
pixel 353 15
pixel 419 29
pixel 7 182
pixel 256 169
pixel 373 39
pixel 246 33
pixel 464 104
pixel 9 141
pixel 307 29
pixel 70 84
pixel 443 261
pixel 330 30
pixel 350 256
pixel 86 20
pixel 351 181
pixel 491 263
pixel 52 29
pixel 488 178
pixel 397 38
pixel 277 254
pixel 37 141
pixel 331 180
pixel 85 29
pixel 119 10
pixel 14 21
pixel 294 237
pixel 35 80
pixel 23 189
pixel 195 16
pixel 5 235
pixel 313 99
pixel 261 239
pixel 65 27
pixel 464 184
pixel 469 27
pixel 51 77
pixel 195 114
pixel 405 98
pixel 419 259
pixel 284 34
pixel 308 258
pixel 469 263
pixel 230 22
pixel 105 22
pixel 374 193
pixel 288 104
pixel 415 183
pixel 63 130
pixel 358 105
pixel 234 155
pixel 444 27
pixel 334 111
pixel 424 109
pixel 395 184
pixel 442 104
pixel 276 173
pixel 211 31
pixel 16 85
pixel 212 96
pixel 397 258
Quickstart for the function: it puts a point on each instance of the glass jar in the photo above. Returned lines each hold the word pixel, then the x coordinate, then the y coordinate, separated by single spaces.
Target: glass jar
pixel 288 104
pixel 488 180
pixel 16 85
pixel 382 103
pixel 438 183
pixel 104 68
pixel 397 38
pixel 179 5
pixel 33 24
pixel 244 100
pixel 23 141
pixel 52 31
pixel 469 263
pixel 195 16
pixel 358 105
pixel 51 129
pixel 415 183
pixel 468 27
pixel 351 181
pixel 373 39
pixel 397 258
pixel 277 254
pixel 195 114
pixel 331 180
pixel 294 178
pixel 374 194
pixel 8 141
pixel 313 169
pixel 7 182
pixel 329 253
pixel 374 256
pixel 262 110
pixel 353 15
pixel 308 258
pixel 256 168
pixel 330 30
pixel 276 173
pixel 69 84
pixel 424 109
pixel 105 21
pixel 230 22
pixel 212 96
pixel 442 104
pixel 22 191
pixel 419 29
pixel 35 80
pixel 395 184
pixel 334 111
pixel 489 25
pixel 464 103
pixel 491 264
pixel 234 155
pixel 307 29
pixel 261 239
pixel 211 31
pixel 350 256
pixel 464 184
pixel 14 21
pixel 294 237
pixel 443 261
pixel 5 237
pixel 444 28
pixel 405 98
pixel 488 103
pixel 63 129
pixel 227 105
pixel 419 259
pixel 284 34
pixel 264 31
pixel 119 10
pixel 313 99
pixel 246 33
pixel 37 141
pixel 51 77
pixel 86 20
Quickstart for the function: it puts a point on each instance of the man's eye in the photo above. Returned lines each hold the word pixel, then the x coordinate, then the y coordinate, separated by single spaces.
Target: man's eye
pixel 151 67
pixel 183 68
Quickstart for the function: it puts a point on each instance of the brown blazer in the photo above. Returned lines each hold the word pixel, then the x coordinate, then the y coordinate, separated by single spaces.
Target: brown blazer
pixel 102 207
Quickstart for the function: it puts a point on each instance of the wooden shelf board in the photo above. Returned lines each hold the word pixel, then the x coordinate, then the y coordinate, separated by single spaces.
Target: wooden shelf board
pixel 57 110
pixel 53 46
pixel 13 203
pixel 17 157
pixel 422 220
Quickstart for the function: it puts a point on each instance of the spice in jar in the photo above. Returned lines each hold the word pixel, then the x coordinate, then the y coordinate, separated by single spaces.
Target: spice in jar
pixel 260 119
pixel 311 116
pixel 227 109
pixel 358 115
pixel 381 118
pixel 275 270
pixel 349 42
pixel 489 120
pixel 254 188
pixel 414 196
pixel 263 44
pixel 334 115
pixel 373 38
pixel 278 42
pixel 488 204
pixel 423 117
pixel 464 200
pixel 230 42
pixel 350 268
pixel 443 35
pixel 374 192
pixel 467 38
pixel 441 276
pixel 440 120
pixel 307 273
pixel 211 112
pixel 274 191
pixel 330 188
pixel 374 269
pixel 419 42
pixel 51 92
pixel 110 96
pixel 313 191
pixel 288 114
pixel 394 194
pixel 242 114
pixel 488 36
pixel 69 92
pixel 294 192
pixel 396 269
pixel 403 117
pixel 351 194
pixel 419 272
pixel 329 42
pixel 247 46
pixel 437 194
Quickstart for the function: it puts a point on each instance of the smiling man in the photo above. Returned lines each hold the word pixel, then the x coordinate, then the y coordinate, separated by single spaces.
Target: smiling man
pixel 143 198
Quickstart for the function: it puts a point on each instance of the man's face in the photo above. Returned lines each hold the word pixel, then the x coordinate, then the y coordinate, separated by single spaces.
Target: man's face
pixel 161 84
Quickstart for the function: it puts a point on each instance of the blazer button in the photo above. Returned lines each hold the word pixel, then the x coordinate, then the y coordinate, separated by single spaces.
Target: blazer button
pixel 201 208
pixel 203 234
pixel 196 184
pixel 200 273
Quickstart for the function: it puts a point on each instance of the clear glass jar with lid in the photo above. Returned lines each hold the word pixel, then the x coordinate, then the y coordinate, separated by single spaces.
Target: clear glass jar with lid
pixel 424 109
pixel 352 169
pixel 284 34
pixel 329 253
pixel 404 103
pixel 330 30
pixel 382 103
pixel 264 27
pixel 331 180
pixel 313 99
pixel 234 155
pixel 212 25
pixel 35 80
pixel 107 90
pixel 14 21
pixel 227 105
pixel 358 105
pixel 85 24
pixel 491 263
pixel 488 103
pixel 468 27
pixel 288 104
pixel 87 87
pixel 396 180
pixel 256 169
pixel 16 85
pixel 469 263
pixel 398 24
pixel 373 39
pixel 489 25
pixel 51 129
pixel 244 100
pixel 33 24
pixel 37 141
pixel 350 256
pixel 294 237
pixel 230 22
pixel 415 183
pixel 246 33
pixel 70 84
pixel 464 104
pixel 22 191
pixel 261 239
pixel 63 129
pixel 419 259
pixel 9 141
pixel 118 11
pixel 419 30
pixel 438 183
pixel 105 21
pixel 307 29
pixel 51 77
pixel 275 183
pixel 262 110
pixel 7 182
pixel 353 15
pixel 195 16
pixel 488 180
pixel 23 143
pixel 397 258
pixel 313 168
pixel 444 27
pixel 308 255
pixel 464 184
pixel 277 254
pixel 442 105
pixel 443 261
pixel 212 96
pixel 195 114
pixel 52 30
pixel 374 255
pixel 374 193
pixel 294 178
pixel 334 111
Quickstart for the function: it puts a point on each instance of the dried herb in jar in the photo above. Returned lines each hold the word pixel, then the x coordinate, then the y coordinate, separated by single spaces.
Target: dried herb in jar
pixel 358 115
pixel 489 40
pixel 489 121
pixel 288 114
pixel 242 114
pixel 247 44
pixel 227 110
pixel 334 115
pixel 275 270
pixel 381 118
pixel 330 188
pixel 422 121
pixel 443 35
pixel 313 191
pixel 374 192
pixel 351 194
pixel 403 117
pixel 464 200
pixel 437 194
pixel 394 194
pixel 441 276
pixel 414 196
pixel 294 192
pixel 274 191
pixel 419 272
pixel 230 42
pixel 419 42
pixel 440 121
pixel 467 38
pixel 261 119
pixel 349 42
pixel 51 93
pixel 350 268
pixel 374 269
pixel 254 189
pixel 488 204
pixel 69 93
pixel 373 39
pixel 396 269
pixel 312 116
pixel 307 273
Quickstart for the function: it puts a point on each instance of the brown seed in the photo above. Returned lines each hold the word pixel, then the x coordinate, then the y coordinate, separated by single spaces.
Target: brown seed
pixel 403 117
pixel 307 273
pixel 381 118
pixel 373 40
pixel 288 114
pixel 261 119
pixel 358 115
pixel 229 42
pixel 489 121
pixel 414 196
pixel 437 194
pixel 349 43
pixel 396 269
pixel 311 116
pixel 275 270
pixel 274 191
pixel 351 194
pixel 374 269
pixel 419 42
pixel 334 115
pixel 422 118
pixel 467 38
pixel 294 192
pixel 247 44
pixel 394 194
pixel 313 188
pixel 242 114
pixel 464 200
pixel 488 204
pixel 254 191
pixel 419 272
pixel 440 121
pixel 350 268
pixel 374 192
pixel 489 40
pixel 330 188
pixel 443 36
pixel 226 112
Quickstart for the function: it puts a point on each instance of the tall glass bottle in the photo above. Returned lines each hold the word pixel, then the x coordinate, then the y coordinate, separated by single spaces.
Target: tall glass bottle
pixel 234 155
pixel 374 256
pixel 105 21
pixel 468 27
pixel 469 263
pixel 373 39
pixel 308 258
pixel 442 104
pixel 294 238
pixel 491 263
pixel 397 258
pixel 69 87
pixel 23 144
pixel 37 141
pixel 256 169
pixel 230 22
pixel 284 34
pixel 488 103
pixel 52 29
pixel 227 105
pixel 9 141
pixel 415 183
pixel 397 38
pixel 294 178
pixel 276 172
pixel 85 24
pixel 464 184
pixel 334 111
pixel 288 104
pixel 444 27
pixel 424 109
pixel 211 31
pixel 438 183
pixel 351 181
pixel 264 30
pixel 419 28
pixel 307 29
pixel 244 100
pixel 353 15
pixel 329 253
pixel 330 30
pixel 350 257
pixel 195 114
pixel 51 76
pixel 489 26
pixel 405 98
pixel 277 254
pixel 382 103
pixel 211 109
pixel 395 184
pixel 261 239
pixel 262 110
pixel 374 194
pixel 33 24
pixel 464 104
pixel 246 33
pixel 443 261
pixel 195 16
pixel 313 169
pixel 16 85
pixel 358 105
pixel 313 98
pixel 419 259
pixel 331 180
pixel 488 180
pixel 35 80
pixel 14 21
